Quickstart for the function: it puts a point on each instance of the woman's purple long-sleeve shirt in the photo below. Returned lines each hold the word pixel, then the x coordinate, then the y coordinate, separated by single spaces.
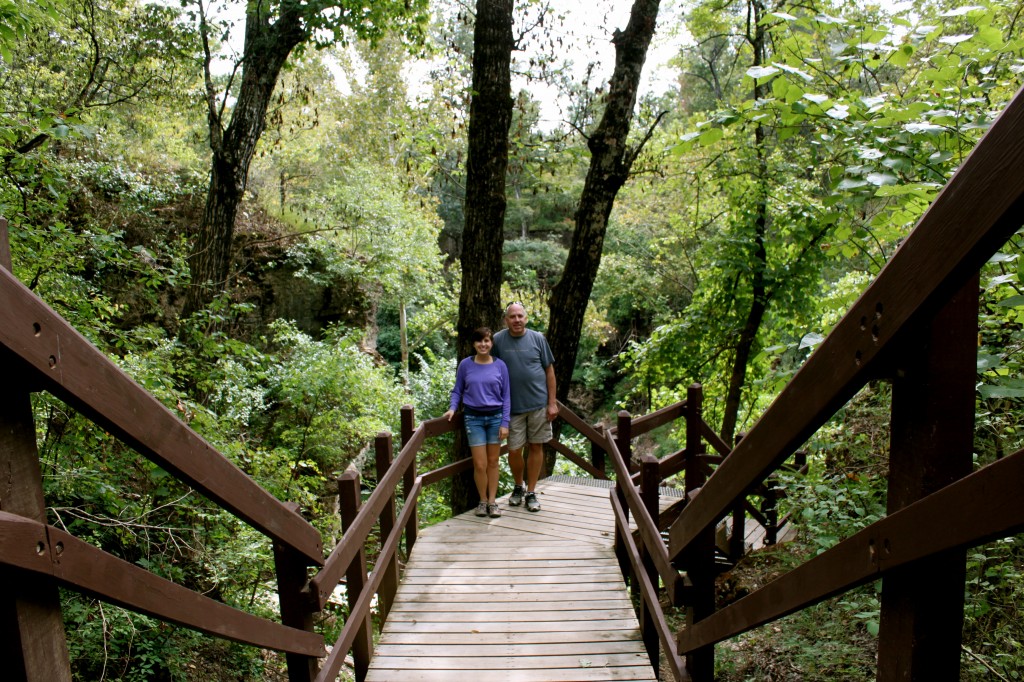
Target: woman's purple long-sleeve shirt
pixel 483 387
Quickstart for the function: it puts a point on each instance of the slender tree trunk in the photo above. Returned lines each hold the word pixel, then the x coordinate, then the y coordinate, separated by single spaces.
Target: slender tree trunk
pixel 759 263
pixel 267 47
pixel 483 237
pixel 748 336
pixel 610 164
pixel 403 337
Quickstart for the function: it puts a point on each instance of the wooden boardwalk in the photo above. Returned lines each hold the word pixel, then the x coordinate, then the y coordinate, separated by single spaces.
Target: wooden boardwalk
pixel 522 598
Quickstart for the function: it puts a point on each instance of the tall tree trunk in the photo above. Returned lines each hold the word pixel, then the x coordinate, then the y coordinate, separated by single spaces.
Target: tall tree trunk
pixel 759 262
pixel 483 237
pixel 490 116
pixel 268 43
pixel 610 164
pixel 748 335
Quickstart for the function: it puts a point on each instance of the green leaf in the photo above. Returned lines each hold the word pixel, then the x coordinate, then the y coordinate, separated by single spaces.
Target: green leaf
pixel 711 136
pixel 991 36
pixel 901 57
pixel 1012 302
pixel 758 72
pixel 989 392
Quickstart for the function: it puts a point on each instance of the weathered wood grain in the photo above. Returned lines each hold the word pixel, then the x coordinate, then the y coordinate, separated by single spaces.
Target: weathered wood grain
pixel 528 596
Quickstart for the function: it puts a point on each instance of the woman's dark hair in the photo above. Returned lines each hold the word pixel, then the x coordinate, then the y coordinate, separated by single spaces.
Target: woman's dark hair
pixel 481 333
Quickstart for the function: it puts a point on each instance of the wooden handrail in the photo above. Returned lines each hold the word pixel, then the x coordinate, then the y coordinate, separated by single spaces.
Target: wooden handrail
pixel 332 665
pixel 645 524
pixel 322 584
pixel 953 239
pixel 653 420
pixel 43 549
pixel 649 594
pixel 987 504
pixel 566 452
pixel 585 429
pixel 75 371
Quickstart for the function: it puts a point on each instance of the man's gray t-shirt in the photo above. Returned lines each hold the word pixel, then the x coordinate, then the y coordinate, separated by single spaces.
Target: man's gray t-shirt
pixel 527 358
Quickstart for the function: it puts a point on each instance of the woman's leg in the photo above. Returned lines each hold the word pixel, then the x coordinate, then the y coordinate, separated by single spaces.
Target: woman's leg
pixel 493 453
pixel 480 456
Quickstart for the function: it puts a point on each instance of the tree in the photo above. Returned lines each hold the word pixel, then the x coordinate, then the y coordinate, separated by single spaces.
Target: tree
pixel 611 161
pixel 845 133
pixel 273 30
pixel 490 115
pixel 483 237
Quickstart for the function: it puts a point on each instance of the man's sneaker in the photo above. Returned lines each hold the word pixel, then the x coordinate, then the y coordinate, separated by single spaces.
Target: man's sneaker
pixel 493 511
pixel 516 498
pixel 481 509
pixel 531 502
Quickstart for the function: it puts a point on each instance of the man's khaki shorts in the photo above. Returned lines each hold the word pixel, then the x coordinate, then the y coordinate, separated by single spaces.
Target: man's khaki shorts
pixel 529 427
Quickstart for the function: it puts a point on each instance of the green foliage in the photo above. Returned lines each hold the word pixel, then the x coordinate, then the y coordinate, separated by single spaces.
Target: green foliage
pixel 329 399
pixel 863 116
pixel 136 648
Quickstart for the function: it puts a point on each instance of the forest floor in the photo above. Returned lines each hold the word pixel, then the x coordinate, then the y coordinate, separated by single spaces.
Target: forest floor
pixel 822 643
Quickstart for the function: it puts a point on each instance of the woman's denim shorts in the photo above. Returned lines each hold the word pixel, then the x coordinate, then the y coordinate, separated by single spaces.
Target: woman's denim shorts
pixel 482 430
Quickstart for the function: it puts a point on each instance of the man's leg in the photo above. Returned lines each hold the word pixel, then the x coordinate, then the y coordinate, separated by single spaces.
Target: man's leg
pixel 516 465
pixel 517 434
pixel 534 463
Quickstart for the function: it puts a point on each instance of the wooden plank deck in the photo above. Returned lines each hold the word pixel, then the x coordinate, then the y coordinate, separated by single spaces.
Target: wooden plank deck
pixel 522 598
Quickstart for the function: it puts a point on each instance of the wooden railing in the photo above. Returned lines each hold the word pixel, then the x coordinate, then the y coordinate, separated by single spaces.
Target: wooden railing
pixel 916 325
pixel 643 555
pixel 40 351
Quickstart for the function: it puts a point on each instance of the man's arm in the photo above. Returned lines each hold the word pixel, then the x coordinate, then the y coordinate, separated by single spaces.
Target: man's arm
pixel 549 375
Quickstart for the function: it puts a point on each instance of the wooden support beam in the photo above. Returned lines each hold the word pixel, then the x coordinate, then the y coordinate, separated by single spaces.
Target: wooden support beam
pixel 649 485
pixel 699 559
pixel 932 441
pixel 407 430
pixel 32 643
pixel 296 609
pixel 356 578
pixel 383 447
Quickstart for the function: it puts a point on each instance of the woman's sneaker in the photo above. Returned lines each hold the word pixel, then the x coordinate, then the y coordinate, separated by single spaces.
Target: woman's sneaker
pixel 493 511
pixel 531 502
pixel 516 498
pixel 481 509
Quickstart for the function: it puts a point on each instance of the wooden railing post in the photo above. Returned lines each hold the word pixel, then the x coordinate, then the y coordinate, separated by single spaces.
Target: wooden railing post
pixel 650 481
pixel 355 576
pixel 296 609
pixel 597 453
pixel 623 441
pixel 32 642
pixel 408 427
pixel 738 539
pixel 932 439
pixel 770 510
pixel 384 450
pixel 624 438
pixel 700 559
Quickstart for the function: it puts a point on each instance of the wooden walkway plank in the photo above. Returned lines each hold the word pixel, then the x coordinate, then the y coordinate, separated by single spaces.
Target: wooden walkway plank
pixel 527 597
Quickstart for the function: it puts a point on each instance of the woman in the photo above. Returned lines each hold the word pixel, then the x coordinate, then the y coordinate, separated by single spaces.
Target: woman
pixel 481 385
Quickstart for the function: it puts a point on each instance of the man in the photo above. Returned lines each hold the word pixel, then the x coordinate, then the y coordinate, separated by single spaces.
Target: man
pixel 534 406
